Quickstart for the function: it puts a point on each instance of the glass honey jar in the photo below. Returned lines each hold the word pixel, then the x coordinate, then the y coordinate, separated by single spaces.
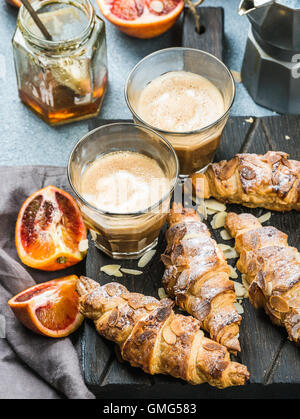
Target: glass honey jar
pixel 63 79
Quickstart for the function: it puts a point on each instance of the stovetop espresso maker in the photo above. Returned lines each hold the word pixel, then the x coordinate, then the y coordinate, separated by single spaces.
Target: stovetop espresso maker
pixel 271 66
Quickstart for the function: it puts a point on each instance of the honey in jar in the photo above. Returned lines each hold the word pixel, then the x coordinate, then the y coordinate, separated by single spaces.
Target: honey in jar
pixel 63 79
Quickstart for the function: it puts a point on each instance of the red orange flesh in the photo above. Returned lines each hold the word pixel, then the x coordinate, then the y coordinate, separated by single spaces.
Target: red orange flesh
pixel 142 18
pixel 50 308
pixel 49 229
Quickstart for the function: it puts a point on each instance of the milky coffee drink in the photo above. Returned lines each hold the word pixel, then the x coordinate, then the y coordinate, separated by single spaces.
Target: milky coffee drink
pixel 182 102
pixel 126 182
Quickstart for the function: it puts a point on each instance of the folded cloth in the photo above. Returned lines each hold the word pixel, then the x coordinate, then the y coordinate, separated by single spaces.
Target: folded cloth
pixel 34 366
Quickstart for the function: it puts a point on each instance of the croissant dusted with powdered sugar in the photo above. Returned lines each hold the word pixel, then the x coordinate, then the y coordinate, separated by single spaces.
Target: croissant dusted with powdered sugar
pixel 272 268
pixel 270 181
pixel 197 276
pixel 151 336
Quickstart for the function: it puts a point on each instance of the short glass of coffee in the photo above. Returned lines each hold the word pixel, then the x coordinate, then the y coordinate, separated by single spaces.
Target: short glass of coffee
pixel 123 176
pixel 185 95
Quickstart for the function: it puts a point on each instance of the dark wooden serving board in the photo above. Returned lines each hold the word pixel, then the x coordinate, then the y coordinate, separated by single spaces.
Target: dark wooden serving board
pixel 273 361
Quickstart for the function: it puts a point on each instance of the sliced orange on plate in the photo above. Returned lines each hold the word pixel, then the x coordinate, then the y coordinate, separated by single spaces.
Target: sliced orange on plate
pixel 50 308
pixel 49 230
pixel 142 18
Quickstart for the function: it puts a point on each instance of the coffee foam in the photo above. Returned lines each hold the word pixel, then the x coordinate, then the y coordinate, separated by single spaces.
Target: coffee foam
pixel 180 101
pixel 124 182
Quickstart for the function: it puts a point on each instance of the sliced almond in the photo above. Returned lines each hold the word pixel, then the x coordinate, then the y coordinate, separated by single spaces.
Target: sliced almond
pixel 238 308
pixel 135 302
pixel 113 317
pixel 145 259
pixel 265 217
pixel 269 288
pixel 131 271
pixel 224 247
pixel 112 270
pixel 279 304
pixel 250 120
pixel 169 336
pixel 176 326
pixel 240 290
pixel 83 245
pixel 118 274
pixel 210 212
pixel 218 220
pixel 162 293
pixel 229 252
pixel 150 306
pixel 110 289
pixel 233 273
pixel 211 346
pixel 202 211
pixel 215 205
pixel 93 234
pixel 225 235
pixel 192 236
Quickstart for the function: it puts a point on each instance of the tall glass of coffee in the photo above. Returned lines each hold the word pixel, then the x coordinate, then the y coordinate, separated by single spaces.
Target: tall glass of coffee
pixel 123 176
pixel 185 95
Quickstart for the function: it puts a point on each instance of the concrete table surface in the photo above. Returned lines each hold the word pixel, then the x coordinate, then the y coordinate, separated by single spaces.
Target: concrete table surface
pixel 26 140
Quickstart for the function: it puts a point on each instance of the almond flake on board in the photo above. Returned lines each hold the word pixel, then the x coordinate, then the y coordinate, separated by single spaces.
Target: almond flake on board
pixel 111 270
pixel 131 271
pixel 240 290
pixel 94 235
pixel 218 220
pixel 210 212
pixel 213 204
pixel 83 245
pixel 162 293
pixel 229 252
pixel 225 235
pixel 145 259
pixel 238 308
pixel 265 217
pixel 233 273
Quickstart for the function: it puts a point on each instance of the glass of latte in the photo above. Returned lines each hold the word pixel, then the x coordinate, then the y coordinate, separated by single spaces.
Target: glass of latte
pixel 185 95
pixel 123 176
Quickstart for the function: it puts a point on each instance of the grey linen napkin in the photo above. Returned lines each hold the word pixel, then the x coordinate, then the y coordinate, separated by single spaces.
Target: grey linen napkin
pixel 31 366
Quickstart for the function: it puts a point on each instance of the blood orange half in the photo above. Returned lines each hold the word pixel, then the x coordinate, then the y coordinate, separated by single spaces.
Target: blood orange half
pixel 142 18
pixel 16 3
pixel 49 229
pixel 50 309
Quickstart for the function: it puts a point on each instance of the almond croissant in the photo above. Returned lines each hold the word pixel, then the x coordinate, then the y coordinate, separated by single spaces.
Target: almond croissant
pixel 197 276
pixel 272 269
pixel 270 181
pixel 151 336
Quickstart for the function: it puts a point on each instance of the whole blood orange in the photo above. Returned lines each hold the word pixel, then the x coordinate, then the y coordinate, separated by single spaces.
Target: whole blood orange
pixel 142 18
pixel 49 230
pixel 50 309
